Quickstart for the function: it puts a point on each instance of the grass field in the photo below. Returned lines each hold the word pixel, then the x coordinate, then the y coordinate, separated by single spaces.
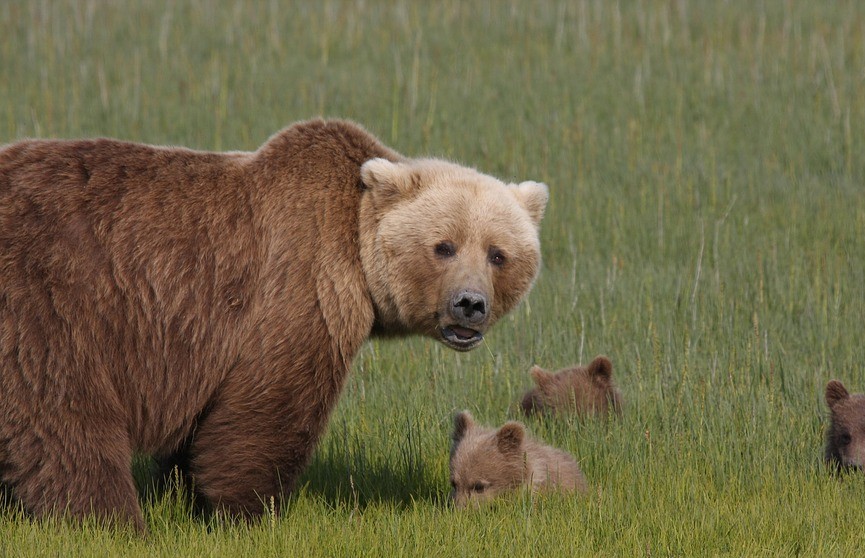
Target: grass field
pixel 706 230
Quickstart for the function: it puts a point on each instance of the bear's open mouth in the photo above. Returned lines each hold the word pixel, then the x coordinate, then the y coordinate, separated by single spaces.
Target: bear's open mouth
pixel 461 338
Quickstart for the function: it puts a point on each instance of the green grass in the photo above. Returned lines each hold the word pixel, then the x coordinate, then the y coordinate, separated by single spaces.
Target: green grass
pixel 706 230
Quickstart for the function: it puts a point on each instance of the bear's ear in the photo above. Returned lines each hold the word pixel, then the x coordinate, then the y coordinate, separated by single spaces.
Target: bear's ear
pixel 835 392
pixel 462 423
pixel 601 369
pixel 387 181
pixel 533 197
pixel 540 376
pixel 509 438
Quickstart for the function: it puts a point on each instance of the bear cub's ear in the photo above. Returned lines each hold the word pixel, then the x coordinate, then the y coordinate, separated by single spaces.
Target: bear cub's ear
pixel 835 392
pixel 509 438
pixel 540 376
pixel 388 181
pixel 601 369
pixel 533 197
pixel 462 423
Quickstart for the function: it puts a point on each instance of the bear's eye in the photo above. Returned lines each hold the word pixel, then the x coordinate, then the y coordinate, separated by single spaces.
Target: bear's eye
pixel 497 257
pixel 445 249
pixel 844 439
pixel 479 487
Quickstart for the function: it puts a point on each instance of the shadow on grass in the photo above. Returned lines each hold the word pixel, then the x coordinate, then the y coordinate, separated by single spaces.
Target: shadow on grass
pixel 339 481
pixel 335 480
pixel 163 486
pixel 8 503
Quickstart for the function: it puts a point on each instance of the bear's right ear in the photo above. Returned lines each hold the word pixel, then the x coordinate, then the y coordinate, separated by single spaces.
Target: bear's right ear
pixel 388 182
pixel 509 438
pixel 462 423
pixel 835 392
pixel 540 376
pixel 601 369
pixel 533 197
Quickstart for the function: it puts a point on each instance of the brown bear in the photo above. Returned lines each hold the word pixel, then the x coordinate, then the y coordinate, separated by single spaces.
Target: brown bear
pixel 583 390
pixel 163 300
pixel 845 438
pixel 486 462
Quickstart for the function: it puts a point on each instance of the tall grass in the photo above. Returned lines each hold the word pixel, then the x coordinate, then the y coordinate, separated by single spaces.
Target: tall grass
pixel 706 230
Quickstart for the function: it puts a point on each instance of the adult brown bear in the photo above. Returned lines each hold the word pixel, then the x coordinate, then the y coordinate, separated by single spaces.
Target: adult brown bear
pixel 156 298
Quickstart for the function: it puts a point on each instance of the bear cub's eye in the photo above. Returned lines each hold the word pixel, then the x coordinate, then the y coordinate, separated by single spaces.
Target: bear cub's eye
pixel 445 249
pixel 844 439
pixel 478 487
pixel 497 257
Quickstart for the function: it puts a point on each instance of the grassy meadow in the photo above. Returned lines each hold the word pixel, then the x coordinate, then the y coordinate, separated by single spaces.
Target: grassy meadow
pixel 706 230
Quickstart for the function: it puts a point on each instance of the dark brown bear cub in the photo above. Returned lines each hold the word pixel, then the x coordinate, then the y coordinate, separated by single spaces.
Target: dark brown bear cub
pixel 845 438
pixel 581 390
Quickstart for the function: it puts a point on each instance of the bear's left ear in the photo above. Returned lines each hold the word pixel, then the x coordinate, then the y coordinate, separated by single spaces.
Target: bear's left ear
pixel 835 392
pixel 387 181
pixel 533 197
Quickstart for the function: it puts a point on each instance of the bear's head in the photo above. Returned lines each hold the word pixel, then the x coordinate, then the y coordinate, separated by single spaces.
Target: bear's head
pixel 845 439
pixel 446 250
pixel 485 462
pixel 583 390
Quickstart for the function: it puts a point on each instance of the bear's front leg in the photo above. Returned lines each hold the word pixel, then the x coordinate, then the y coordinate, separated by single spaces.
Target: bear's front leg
pixel 245 458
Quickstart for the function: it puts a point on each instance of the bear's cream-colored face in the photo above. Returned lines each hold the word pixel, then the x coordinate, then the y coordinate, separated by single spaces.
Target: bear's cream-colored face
pixel 448 250
pixel 845 439
pixel 485 462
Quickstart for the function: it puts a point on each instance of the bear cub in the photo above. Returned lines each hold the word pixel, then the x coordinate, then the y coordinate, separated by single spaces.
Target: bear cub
pixel 845 438
pixel 486 462
pixel 583 390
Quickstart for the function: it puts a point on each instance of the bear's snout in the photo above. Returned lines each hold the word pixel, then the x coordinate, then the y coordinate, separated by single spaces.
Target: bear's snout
pixel 469 307
pixel 469 314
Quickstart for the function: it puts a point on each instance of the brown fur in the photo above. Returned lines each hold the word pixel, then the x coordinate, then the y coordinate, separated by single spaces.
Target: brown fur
pixel 845 438
pixel 486 462
pixel 161 300
pixel 583 390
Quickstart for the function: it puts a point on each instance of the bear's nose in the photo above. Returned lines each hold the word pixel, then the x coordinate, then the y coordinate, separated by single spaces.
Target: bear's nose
pixel 470 306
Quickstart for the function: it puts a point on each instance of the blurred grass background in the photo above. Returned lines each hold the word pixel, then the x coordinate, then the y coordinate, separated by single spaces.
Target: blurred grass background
pixel 706 230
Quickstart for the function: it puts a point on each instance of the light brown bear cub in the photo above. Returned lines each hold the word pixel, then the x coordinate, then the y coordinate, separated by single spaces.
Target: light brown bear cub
pixel 845 439
pixel 486 462
pixel 584 390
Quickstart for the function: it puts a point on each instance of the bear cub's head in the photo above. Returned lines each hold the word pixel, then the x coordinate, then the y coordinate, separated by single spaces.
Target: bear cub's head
pixel 446 250
pixel 581 390
pixel 486 462
pixel 845 439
